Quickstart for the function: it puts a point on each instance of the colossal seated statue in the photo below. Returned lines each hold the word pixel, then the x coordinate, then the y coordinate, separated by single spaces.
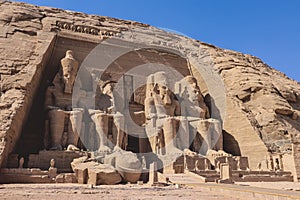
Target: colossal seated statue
pixel 206 133
pixel 193 104
pixel 161 109
pixel 106 115
pixel 63 125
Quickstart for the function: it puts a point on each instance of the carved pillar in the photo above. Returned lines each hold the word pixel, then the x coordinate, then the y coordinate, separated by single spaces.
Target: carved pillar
pixel 120 125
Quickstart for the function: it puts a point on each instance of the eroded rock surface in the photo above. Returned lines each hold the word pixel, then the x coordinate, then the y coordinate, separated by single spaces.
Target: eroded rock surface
pixel 268 98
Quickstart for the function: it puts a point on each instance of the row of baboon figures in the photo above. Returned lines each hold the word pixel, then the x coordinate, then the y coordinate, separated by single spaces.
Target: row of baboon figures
pixel 173 123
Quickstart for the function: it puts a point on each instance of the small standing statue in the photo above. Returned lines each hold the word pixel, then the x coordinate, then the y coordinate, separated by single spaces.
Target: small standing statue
pixel 52 170
pixel 70 68
pixel 21 162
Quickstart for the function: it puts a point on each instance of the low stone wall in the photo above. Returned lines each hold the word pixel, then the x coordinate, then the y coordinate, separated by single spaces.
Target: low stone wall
pixel 62 159
pixel 24 176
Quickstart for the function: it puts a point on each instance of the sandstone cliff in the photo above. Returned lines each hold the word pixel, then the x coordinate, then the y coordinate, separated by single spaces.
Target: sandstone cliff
pixel 262 104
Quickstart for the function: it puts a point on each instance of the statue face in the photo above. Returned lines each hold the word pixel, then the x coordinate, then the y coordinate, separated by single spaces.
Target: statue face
pixel 108 89
pixel 192 94
pixel 165 94
pixel 163 90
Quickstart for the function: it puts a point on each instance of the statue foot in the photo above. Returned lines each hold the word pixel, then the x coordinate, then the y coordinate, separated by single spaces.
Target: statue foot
pixel 56 148
pixel 104 149
pixel 72 147
pixel 190 153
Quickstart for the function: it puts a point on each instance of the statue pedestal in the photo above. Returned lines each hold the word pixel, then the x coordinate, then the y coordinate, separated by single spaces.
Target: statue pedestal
pixel 62 159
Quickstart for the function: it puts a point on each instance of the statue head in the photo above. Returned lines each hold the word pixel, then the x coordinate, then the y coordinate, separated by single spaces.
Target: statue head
pixel 193 89
pixel 108 87
pixel 162 87
pixel 69 69
pixel 52 163
pixel 106 84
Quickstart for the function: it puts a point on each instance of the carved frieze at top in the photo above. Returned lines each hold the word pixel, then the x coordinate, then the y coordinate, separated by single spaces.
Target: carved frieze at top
pixel 92 30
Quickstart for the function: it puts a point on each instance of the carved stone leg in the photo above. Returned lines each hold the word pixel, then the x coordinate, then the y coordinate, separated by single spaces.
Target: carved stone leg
pixel 64 140
pixel 152 134
pixel 83 135
pixel 75 125
pixel 121 137
pixel 46 135
pixel 196 140
pixel 184 135
pixel 92 141
pixel 217 136
pixel 203 129
pixel 101 123
pixel 170 132
pixel 57 122
pixel 160 143
pixel 153 143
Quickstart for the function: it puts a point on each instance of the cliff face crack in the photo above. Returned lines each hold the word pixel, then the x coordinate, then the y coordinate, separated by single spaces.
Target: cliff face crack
pixel 30 33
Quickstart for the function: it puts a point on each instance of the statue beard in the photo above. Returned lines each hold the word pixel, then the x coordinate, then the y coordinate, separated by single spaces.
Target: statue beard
pixel 166 99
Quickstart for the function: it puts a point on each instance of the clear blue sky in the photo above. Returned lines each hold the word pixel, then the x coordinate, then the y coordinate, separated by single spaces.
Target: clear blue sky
pixel 268 29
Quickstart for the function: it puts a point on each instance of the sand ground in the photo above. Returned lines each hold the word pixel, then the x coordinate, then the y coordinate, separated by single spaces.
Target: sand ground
pixel 131 191
pixel 118 192
pixel 285 186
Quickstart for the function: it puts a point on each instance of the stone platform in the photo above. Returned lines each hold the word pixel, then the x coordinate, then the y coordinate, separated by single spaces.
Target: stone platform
pixel 62 159
pixel 24 176
pixel 248 176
